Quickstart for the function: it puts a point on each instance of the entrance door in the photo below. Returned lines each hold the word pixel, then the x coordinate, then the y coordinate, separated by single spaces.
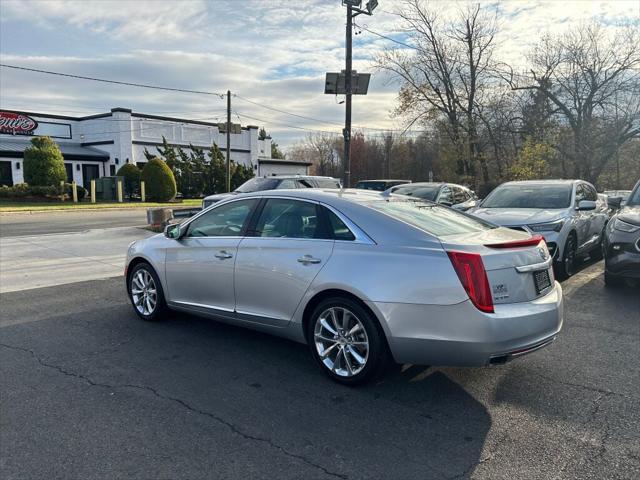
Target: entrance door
pixel 6 178
pixel 276 265
pixel 69 169
pixel 199 266
pixel 89 172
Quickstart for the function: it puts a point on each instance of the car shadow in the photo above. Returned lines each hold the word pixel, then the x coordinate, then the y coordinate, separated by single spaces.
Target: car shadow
pixel 415 422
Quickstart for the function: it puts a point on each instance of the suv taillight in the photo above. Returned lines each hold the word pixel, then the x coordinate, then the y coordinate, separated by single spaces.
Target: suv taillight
pixel 473 277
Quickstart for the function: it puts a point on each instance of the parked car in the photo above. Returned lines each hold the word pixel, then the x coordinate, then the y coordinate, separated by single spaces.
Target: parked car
pixel 449 194
pixel 355 276
pixel 379 185
pixel 623 194
pixel 273 183
pixel 621 247
pixel 567 213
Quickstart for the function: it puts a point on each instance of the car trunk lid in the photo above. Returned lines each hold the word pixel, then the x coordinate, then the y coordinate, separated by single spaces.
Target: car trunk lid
pixel 518 266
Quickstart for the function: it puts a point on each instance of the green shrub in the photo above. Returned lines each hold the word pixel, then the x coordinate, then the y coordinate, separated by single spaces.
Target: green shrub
pixel 80 190
pixel 131 174
pixel 160 184
pixel 43 163
pixel 21 190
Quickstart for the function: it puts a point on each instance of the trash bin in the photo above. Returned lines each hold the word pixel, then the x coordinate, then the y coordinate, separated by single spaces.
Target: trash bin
pixel 158 218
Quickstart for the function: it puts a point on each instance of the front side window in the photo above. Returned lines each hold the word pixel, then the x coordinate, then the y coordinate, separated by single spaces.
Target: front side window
pixel 257 185
pixel 226 220
pixel 284 218
pixel 431 218
pixel 529 196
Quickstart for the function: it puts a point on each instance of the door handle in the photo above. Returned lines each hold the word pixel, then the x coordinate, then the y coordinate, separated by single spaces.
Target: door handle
pixel 223 255
pixel 307 259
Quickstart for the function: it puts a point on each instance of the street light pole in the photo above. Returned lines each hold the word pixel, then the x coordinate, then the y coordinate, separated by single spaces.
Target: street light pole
pixel 346 179
pixel 228 174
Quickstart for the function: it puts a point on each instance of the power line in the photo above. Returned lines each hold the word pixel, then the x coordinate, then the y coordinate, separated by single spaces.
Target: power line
pixel 117 82
pixel 156 87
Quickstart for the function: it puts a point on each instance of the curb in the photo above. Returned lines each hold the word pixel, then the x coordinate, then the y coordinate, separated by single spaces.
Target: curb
pixel 72 210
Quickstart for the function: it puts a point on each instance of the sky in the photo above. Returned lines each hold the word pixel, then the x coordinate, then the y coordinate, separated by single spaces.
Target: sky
pixel 273 52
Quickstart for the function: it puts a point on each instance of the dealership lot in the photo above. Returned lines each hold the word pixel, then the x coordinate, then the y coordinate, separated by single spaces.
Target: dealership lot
pixel 89 391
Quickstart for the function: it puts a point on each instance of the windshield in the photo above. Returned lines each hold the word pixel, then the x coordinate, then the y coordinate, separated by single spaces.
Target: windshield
pixel 258 184
pixel 431 218
pixel 634 198
pixel 425 193
pixel 529 196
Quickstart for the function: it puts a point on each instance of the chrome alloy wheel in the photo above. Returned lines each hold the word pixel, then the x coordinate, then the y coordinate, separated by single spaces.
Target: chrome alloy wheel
pixel 143 292
pixel 341 341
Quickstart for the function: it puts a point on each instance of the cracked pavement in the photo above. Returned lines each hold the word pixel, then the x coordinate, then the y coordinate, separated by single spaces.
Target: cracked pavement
pixel 88 391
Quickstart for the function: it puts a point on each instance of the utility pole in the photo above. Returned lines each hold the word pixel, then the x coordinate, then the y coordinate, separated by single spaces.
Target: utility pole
pixel 228 140
pixel 387 156
pixel 346 179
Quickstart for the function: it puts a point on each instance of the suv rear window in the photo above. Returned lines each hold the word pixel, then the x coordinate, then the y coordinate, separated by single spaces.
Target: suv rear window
pixel 431 218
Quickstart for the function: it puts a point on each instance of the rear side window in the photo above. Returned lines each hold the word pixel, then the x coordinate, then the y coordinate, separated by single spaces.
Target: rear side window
pixel 282 218
pixel 431 218
pixel 338 228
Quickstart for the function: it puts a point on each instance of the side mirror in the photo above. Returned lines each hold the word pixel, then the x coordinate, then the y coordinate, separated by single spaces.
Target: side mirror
pixel 586 205
pixel 173 231
pixel 614 202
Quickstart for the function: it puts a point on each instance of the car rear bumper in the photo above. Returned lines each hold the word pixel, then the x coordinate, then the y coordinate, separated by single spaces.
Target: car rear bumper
pixel 461 335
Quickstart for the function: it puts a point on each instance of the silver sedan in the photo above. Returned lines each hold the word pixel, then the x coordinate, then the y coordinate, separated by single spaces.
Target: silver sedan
pixel 362 279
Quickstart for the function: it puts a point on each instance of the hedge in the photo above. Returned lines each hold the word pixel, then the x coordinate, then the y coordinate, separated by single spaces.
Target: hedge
pixel 43 163
pixel 160 184
pixel 131 174
pixel 22 190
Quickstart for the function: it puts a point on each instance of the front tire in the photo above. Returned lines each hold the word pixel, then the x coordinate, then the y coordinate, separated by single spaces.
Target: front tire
pixel 346 341
pixel 145 292
pixel 567 265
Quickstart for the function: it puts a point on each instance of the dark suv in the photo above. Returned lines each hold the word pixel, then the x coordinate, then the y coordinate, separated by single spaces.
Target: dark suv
pixel 258 184
pixel 449 194
pixel 621 246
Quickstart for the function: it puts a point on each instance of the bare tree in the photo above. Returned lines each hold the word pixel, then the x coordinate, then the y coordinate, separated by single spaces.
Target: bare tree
pixel 446 76
pixel 592 78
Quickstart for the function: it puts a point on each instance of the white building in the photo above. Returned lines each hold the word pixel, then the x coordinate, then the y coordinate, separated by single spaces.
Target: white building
pixel 97 145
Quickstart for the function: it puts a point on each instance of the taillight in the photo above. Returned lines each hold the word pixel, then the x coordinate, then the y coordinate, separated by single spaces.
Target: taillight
pixel 473 277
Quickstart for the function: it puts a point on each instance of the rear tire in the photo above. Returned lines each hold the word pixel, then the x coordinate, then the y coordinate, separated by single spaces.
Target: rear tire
pixel 612 280
pixel 145 293
pixel 346 341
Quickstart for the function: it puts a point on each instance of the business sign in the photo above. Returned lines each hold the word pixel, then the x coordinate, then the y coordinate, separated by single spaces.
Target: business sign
pixel 17 123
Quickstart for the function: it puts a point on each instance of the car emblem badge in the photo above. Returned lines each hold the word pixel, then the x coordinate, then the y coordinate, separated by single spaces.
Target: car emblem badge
pixel 543 253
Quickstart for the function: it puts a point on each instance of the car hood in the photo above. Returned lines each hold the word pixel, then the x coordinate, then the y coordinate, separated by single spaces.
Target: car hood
pixel 220 196
pixel 517 216
pixel 630 214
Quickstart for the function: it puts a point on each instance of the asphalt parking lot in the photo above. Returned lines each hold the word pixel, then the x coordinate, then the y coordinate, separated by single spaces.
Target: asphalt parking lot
pixel 89 391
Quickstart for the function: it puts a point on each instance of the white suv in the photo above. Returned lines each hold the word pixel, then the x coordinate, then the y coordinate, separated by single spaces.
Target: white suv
pixel 567 213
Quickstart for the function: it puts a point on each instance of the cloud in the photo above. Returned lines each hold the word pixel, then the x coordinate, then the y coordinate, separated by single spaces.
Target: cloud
pixel 273 52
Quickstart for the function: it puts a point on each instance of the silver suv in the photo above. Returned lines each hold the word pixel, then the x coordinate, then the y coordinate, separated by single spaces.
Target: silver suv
pixel 567 213
pixel 259 184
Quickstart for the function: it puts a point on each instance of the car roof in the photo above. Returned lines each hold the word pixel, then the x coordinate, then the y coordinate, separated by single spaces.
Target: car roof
pixel 384 180
pixel 297 176
pixel 543 182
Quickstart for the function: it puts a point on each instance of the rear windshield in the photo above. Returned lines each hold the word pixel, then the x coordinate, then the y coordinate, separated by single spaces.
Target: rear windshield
pixel 425 193
pixel 430 217
pixel 327 183
pixel 378 186
pixel 529 196
pixel 258 184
